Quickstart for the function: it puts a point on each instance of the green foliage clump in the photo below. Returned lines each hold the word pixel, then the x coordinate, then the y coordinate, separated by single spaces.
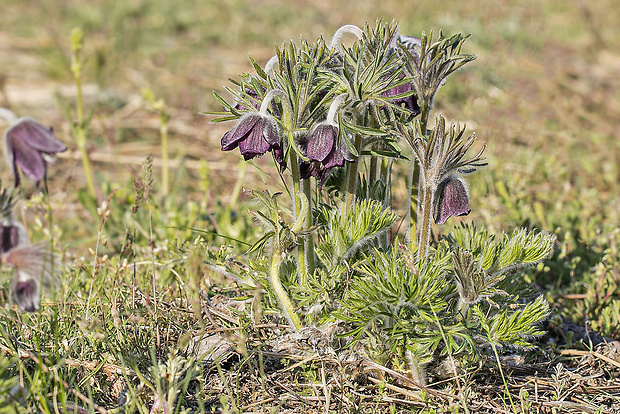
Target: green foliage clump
pixel 452 303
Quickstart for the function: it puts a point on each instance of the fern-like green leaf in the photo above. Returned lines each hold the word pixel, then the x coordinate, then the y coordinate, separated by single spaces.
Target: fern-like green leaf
pixel 347 235
pixel 514 328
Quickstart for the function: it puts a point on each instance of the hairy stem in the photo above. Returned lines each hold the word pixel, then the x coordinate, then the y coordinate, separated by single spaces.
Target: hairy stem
pixel 415 179
pixel 349 28
pixel 462 308
pixel 285 302
pixel 410 187
pixel 308 240
pixel 351 179
pixel 386 177
pixel 372 171
pixel 418 373
pixel 302 263
pixel 424 222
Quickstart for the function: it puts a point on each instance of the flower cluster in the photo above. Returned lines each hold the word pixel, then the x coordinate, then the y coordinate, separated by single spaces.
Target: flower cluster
pixel 29 146
pixel 321 107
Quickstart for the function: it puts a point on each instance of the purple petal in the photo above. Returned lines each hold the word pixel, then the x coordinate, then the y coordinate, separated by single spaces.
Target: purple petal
pixel 452 199
pixel 334 159
pixel 28 159
pixel 36 136
pixel 410 102
pixel 254 144
pixel 231 139
pixel 245 126
pixel 321 142
pixel 9 238
pixel 228 141
pixel 397 90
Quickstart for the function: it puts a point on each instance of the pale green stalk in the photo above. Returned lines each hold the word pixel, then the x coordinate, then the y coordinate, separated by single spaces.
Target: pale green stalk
pixel 372 171
pixel 386 176
pixel 501 371
pixel 80 129
pixel 350 182
pixel 424 222
pixel 163 132
pixel 285 302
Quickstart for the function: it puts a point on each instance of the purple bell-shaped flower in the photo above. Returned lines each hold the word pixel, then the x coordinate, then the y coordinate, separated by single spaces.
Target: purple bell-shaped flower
pixel 255 134
pixel 28 146
pixel 451 199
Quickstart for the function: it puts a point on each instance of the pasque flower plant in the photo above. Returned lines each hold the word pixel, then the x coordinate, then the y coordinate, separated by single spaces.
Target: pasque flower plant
pixel 346 115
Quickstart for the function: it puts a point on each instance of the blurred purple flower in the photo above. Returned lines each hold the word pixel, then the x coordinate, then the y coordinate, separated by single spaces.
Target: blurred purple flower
pixel 32 264
pixel 27 145
pixel 452 199
pixel 26 291
pixel 254 134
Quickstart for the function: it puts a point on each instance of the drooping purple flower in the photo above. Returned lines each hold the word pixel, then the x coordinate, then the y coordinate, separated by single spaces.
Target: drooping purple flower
pixel 27 145
pixel 254 134
pixel 324 152
pixel 323 146
pixel 452 199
